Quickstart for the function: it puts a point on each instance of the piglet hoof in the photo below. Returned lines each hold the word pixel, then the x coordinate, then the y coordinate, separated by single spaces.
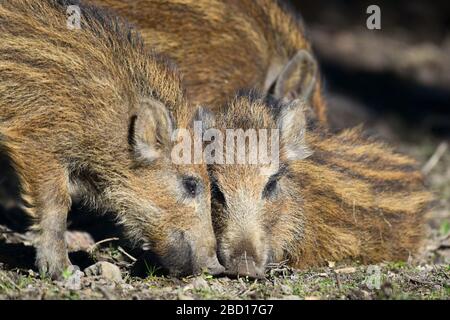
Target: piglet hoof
pixel 53 265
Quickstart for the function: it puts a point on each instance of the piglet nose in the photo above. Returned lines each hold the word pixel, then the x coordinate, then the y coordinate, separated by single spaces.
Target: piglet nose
pixel 245 266
pixel 214 267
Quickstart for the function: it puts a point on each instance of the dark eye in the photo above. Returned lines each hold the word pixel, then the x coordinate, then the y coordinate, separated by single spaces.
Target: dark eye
pixel 191 186
pixel 270 188
pixel 217 194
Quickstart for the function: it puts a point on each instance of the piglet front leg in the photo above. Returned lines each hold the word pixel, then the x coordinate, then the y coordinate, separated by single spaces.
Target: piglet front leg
pixel 46 195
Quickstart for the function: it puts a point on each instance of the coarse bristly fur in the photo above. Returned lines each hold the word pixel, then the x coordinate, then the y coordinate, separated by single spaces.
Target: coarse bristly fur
pixel 223 46
pixel 332 197
pixel 89 113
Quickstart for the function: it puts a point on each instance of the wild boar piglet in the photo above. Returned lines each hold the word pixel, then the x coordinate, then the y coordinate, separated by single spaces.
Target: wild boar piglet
pixel 89 113
pixel 225 46
pixel 324 197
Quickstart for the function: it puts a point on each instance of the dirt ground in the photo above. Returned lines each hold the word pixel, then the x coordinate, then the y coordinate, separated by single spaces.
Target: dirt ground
pixel 407 104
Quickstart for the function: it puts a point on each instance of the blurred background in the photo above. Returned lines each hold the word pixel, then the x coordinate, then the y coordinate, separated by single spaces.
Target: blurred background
pixel 399 74
pixel 396 81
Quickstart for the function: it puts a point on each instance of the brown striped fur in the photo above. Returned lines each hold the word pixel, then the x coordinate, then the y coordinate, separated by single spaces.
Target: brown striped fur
pixel 88 114
pixel 223 46
pixel 351 198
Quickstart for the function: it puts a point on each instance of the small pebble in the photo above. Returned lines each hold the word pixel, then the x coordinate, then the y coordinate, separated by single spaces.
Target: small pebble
pixel 73 282
pixel 106 270
pixel 346 270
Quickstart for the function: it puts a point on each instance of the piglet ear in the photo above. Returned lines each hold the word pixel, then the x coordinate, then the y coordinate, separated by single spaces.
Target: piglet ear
pixel 292 125
pixel 152 131
pixel 298 78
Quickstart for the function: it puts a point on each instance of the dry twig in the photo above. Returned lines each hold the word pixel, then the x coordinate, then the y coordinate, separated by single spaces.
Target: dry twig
pixel 127 254
pixel 95 245
pixel 434 160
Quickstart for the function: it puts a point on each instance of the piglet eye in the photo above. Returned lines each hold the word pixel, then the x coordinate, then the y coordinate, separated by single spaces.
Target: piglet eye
pixel 191 186
pixel 217 193
pixel 270 188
